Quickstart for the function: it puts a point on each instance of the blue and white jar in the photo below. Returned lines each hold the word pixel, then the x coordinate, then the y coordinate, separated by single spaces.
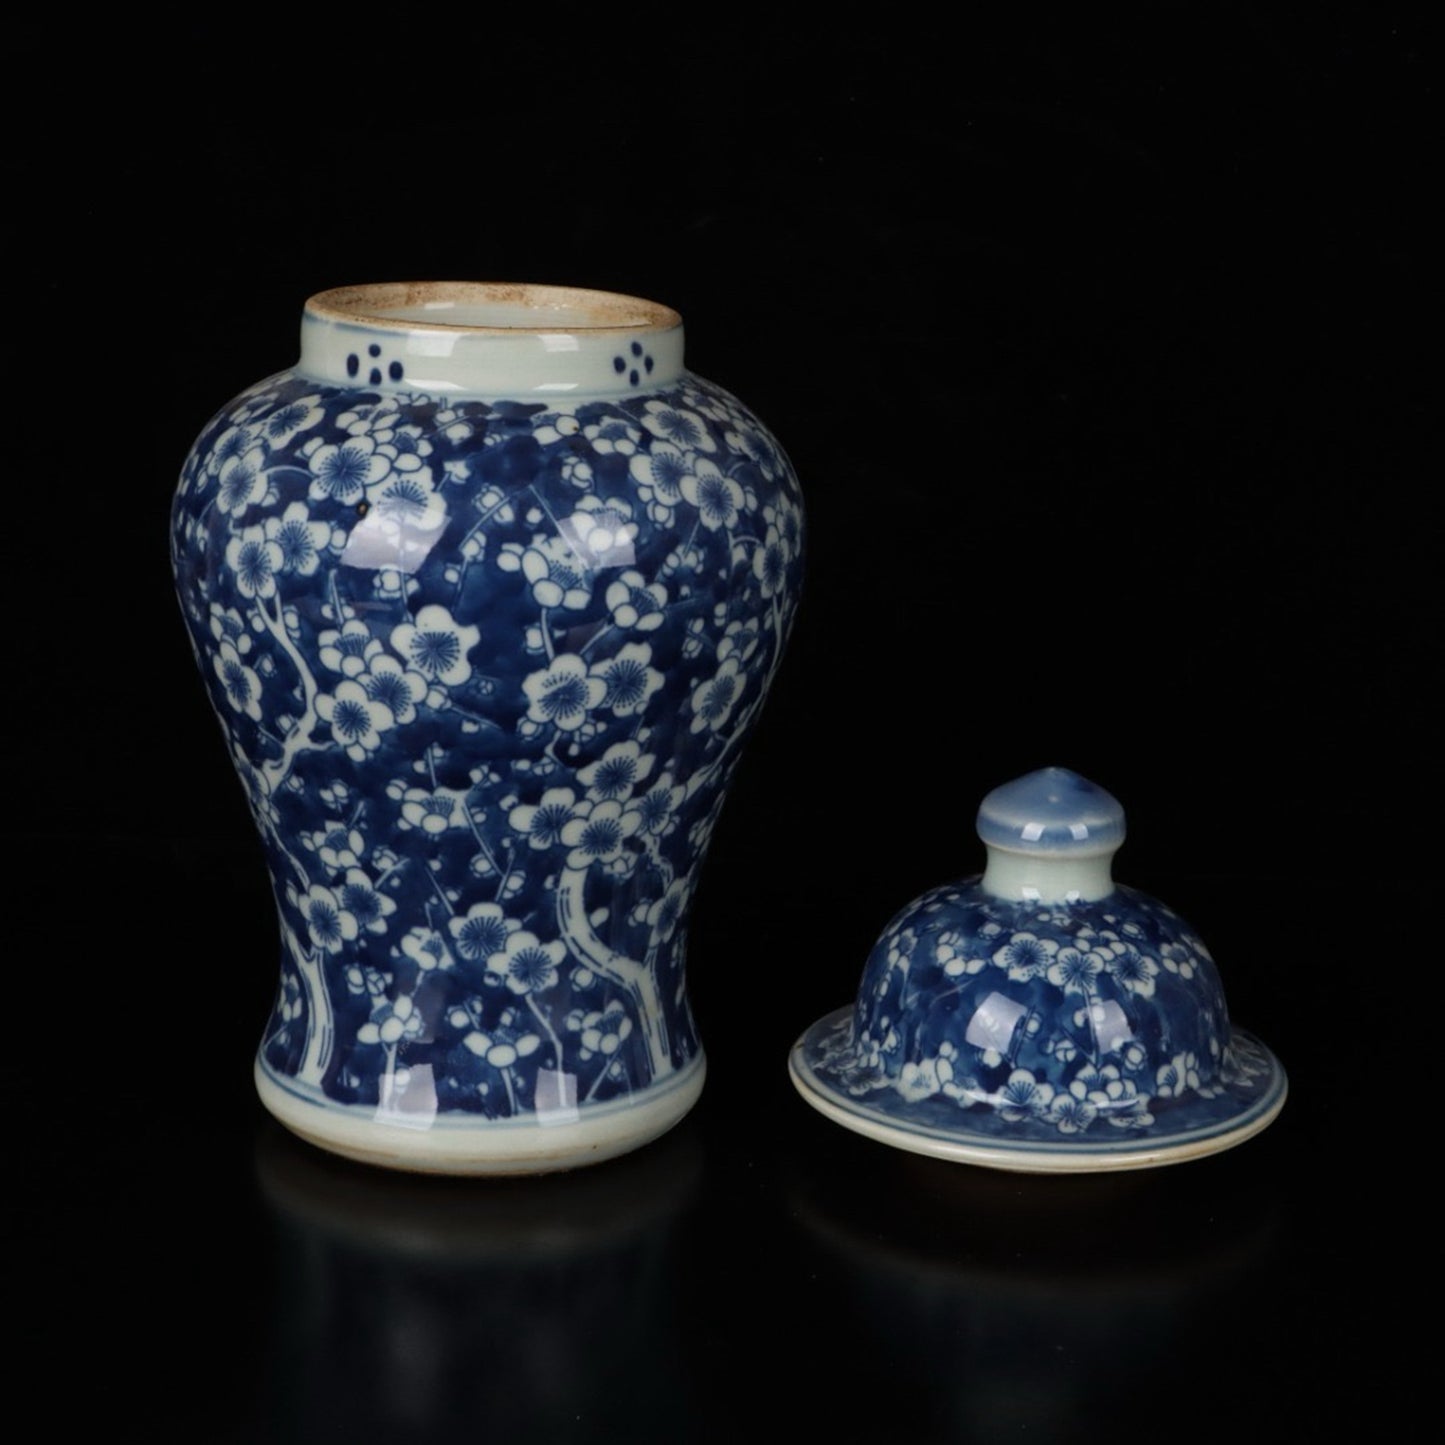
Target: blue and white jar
pixel 488 591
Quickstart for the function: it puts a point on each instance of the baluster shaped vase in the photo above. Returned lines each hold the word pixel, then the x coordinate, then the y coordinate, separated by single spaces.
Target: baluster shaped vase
pixel 488 591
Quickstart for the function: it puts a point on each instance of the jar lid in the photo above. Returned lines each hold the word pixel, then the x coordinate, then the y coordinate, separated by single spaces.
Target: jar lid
pixel 1040 1017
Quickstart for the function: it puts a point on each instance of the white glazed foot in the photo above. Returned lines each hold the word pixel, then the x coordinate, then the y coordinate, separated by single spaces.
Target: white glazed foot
pixel 404 1135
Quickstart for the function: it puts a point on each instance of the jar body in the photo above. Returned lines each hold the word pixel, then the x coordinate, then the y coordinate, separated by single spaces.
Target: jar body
pixel 484 664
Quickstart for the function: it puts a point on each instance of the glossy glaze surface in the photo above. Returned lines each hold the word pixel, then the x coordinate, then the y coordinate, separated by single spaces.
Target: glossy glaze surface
pixel 1057 1021
pixel 484 666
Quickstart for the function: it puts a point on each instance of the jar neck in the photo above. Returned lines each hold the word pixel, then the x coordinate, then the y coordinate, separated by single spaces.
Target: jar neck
pixel 1040 878
pixel 491 340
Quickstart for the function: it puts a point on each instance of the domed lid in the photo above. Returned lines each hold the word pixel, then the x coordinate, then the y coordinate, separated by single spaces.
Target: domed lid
pixel 1041 1018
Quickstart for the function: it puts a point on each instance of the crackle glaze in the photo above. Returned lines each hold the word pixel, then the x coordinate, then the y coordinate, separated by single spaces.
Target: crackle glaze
pixel 487 591
pixel 1040 1016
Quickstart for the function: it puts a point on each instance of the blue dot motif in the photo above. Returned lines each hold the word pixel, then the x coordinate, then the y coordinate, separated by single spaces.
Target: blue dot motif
pixel 353 362
pixel 394 371
pixel 634 374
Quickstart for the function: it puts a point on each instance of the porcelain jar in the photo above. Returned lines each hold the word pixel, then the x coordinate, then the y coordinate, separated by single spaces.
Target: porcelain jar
pixel 488 591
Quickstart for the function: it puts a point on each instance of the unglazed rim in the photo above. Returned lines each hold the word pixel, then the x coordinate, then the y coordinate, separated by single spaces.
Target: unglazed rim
pixel 602 311
pixel 960 1145
pixel 492 340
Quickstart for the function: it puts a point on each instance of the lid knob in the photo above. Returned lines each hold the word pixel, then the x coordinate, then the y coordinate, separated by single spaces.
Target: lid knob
pixel 1050 836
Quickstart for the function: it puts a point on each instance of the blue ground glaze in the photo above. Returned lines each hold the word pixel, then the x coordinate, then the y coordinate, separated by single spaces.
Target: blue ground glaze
pixel 1096 1025
pixel 484 669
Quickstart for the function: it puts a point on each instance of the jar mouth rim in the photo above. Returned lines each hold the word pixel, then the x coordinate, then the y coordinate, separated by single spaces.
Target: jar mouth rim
pixel 496 308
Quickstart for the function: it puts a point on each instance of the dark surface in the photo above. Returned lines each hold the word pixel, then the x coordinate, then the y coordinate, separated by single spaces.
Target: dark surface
pixel 1156 290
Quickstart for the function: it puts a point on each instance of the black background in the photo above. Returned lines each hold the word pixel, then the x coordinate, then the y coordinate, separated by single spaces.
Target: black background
pixel 1152 289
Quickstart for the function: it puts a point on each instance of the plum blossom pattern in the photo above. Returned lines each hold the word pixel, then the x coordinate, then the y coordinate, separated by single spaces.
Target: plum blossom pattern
pixel 713 700
pixel 241 685
pixel 255 563
pixel 603 1031
pixel 483 932
pixel 617 772
pixel 341 471
pixel 302 541
pixel 436 645
pixel 357 721
pixel 563 694
pixel 526 963
pixel 484 668
pixel 1045 1023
